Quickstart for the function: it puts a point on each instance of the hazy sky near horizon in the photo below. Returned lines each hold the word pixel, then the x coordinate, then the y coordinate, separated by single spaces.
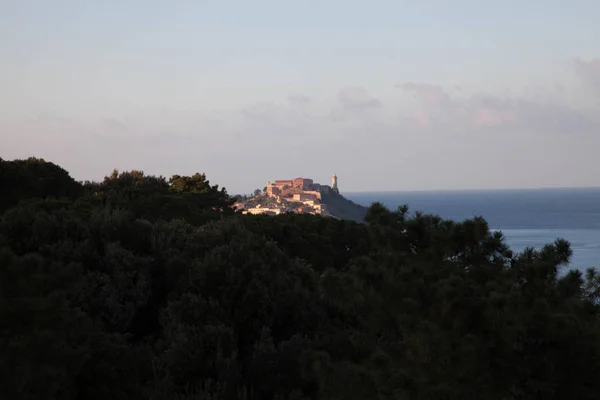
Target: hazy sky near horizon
pixel 389 94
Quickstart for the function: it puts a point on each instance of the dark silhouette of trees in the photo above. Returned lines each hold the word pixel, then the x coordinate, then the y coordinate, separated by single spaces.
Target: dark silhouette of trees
pixel 34 178
pixel 141 288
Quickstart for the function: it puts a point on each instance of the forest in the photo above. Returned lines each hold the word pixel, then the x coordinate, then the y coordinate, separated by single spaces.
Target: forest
pixel 143 287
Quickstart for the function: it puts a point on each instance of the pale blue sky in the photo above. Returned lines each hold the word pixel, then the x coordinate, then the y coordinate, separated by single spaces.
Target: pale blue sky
pixel 390 95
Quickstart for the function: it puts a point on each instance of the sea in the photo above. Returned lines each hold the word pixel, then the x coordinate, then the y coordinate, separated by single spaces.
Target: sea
pixel 526 217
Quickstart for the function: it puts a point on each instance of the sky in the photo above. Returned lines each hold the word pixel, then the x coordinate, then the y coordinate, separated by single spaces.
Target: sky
pixel 387 94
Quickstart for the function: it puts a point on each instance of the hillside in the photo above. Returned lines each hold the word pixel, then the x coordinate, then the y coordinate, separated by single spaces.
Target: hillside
pixel 340 207
pixel 330 203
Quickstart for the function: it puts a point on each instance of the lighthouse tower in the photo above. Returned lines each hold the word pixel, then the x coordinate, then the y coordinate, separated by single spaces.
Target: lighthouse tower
pixel 334 184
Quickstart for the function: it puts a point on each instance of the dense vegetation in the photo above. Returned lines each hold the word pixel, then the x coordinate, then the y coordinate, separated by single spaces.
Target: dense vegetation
pixel 139 287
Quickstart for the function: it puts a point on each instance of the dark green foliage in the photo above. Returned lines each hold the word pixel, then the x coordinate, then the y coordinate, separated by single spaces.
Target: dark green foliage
pixel 188 198
pixel 142 288
pixel 31 178
pixel 43 340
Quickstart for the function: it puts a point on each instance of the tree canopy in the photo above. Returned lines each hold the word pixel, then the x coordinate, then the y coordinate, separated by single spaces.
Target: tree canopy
pixel 139 287
pixel 34 178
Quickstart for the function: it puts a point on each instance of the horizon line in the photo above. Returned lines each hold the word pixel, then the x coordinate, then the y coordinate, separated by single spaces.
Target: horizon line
pixel 475 190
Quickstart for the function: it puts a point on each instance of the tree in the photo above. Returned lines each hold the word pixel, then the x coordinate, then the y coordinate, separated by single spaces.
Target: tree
pixel 142 288
pixel 42 339
pixel 34 178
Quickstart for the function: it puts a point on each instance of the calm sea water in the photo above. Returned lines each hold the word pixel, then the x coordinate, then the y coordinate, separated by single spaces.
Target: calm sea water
pixel 528 218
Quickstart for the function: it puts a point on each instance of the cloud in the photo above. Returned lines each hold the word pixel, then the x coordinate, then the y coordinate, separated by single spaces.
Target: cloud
pixel 281 115
pixel 482 111
pixel 260 112
pixel 298 99
pixel 589 71
pixel 114 126
pixel 422 119
pixel 357 98
pixel 273 121
pixel 462 128
pixel 430 94
pixel 54 119
pixel 353 103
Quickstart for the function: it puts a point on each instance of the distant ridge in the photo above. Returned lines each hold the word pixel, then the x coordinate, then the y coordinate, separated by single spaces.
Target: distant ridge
pixel 340 207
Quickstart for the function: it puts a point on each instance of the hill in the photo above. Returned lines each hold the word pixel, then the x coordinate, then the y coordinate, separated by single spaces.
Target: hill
pixel 340 207
pixel 302 196
pixel 331 204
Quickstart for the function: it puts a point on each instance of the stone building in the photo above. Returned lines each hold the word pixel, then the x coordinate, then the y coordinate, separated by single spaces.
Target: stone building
pixel 282 184
pixel 303 183
pixel 273 190
pixel 304 197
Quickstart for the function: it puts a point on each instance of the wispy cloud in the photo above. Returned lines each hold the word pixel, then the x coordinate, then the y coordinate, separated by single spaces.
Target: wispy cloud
pixel 443 129
pixel 298 99
pixel 112 125
pixel 427 93
pixel 353 102
pixel 589 71
pixel 54 119
pixel 357 98
pixel 481 111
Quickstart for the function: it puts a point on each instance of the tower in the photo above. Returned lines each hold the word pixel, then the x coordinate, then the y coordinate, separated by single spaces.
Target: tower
pixel 334 185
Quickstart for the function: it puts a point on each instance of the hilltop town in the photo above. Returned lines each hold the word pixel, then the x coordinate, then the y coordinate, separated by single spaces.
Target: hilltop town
pixel 302 196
